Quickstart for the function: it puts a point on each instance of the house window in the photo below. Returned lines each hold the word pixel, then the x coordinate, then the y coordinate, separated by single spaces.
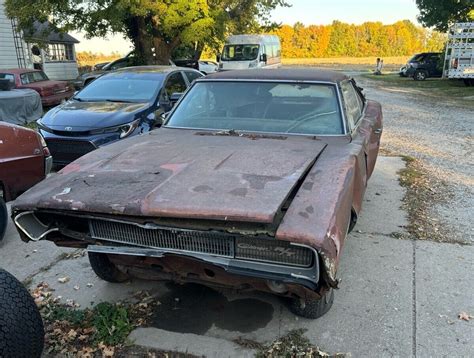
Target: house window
pixel 60 52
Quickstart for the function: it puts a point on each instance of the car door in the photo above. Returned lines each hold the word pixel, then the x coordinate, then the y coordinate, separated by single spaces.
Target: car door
pixel 366 132
pixel 174 83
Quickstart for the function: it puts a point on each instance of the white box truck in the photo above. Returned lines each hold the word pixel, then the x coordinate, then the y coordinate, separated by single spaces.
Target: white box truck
pixel 250 51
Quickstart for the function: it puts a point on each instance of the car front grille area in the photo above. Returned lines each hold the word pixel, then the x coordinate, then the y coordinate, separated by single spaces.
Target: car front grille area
pixel 203 242
pixel 66 151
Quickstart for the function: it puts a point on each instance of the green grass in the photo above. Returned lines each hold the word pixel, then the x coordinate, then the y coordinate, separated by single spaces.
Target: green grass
pixel 431 86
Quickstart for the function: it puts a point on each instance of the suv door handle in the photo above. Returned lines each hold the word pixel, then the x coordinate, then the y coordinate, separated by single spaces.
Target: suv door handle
pixel 378 130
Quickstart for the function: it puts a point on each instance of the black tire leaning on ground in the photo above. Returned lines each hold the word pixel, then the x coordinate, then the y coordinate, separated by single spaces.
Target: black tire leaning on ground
pixel 105 269
pixel 3 218
pixel 21 327
pixel 312 308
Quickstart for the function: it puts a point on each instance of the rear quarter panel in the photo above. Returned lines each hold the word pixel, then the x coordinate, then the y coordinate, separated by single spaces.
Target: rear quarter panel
pixel 21 160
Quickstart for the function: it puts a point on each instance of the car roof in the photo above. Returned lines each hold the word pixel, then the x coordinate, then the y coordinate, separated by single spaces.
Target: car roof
pixel 153 69
pixel 18 70
pixel 282 74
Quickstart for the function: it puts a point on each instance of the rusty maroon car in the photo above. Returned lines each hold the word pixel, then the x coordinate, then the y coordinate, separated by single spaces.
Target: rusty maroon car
pixel 51 92
pixel 252 183
pixel 24 161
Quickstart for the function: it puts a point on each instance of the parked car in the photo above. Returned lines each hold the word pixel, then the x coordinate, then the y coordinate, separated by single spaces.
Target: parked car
pixel 425 65
pixel 99 66
pixel 117 105
pixel 51 92
pixel 208 67
pixel 21 326
pixel 129 60
pixel 253 183
pixel 24 161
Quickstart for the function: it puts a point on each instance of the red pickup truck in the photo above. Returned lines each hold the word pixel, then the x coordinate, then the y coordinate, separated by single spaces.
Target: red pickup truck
pixel 24 161
pixel 51 92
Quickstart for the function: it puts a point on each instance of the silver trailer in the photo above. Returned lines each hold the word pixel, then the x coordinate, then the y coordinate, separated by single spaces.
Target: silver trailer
pixel 459 58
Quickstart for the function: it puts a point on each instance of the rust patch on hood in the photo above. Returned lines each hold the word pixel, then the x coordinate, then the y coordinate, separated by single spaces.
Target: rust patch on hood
pixel 175 173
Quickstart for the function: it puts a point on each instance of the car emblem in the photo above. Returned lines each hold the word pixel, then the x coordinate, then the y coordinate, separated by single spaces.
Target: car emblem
pixel 68 129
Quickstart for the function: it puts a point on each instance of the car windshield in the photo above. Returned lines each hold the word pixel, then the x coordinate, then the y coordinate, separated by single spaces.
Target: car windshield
pixel 260 107
pixel 240 52
pixel 122 87
pixel 7 76
pixel 417 58
pixel 32 77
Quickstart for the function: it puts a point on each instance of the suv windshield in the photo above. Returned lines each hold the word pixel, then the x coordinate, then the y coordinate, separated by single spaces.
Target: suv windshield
pixel 240 52
pixel 260 107
pixel 122 87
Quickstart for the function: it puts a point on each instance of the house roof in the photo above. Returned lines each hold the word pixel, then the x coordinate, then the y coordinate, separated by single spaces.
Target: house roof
pixel 45 31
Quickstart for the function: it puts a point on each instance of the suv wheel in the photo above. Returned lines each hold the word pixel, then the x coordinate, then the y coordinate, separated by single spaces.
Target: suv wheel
pixel 3 218
pixel 312 308
pixel 105 269
pixel 21 327
pixel 420 75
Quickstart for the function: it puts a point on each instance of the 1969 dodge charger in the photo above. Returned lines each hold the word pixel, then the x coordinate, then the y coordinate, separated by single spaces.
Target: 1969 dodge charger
pixel 253 183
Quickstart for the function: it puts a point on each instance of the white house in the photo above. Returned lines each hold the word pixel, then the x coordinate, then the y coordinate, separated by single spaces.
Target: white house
pixel 45 49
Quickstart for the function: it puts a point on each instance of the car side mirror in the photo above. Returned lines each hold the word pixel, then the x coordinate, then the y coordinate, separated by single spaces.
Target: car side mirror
pixel 263 57
pixel 175 97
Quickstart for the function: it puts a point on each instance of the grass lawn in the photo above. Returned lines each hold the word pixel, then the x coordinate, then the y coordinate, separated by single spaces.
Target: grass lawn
pixel 348 63
pixel 431 86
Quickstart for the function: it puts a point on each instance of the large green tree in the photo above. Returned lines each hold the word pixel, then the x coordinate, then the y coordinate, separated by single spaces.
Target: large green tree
pixel 441 14
pixel 155 27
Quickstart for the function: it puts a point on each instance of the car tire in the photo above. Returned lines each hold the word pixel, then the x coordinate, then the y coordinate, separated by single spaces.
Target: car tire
pixel 106 269
pixel 3 218
pixel 312 308
pixel 21 326
pixel 420 75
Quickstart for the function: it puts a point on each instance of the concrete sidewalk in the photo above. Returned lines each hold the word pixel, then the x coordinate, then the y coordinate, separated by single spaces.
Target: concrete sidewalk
pixel 396 298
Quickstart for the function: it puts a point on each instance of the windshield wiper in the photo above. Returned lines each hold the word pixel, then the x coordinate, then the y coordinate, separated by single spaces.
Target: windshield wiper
pixel 118 101
pixel 78 99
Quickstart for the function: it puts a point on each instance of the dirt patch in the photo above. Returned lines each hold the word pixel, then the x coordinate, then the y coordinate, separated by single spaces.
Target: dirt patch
pixel 422 192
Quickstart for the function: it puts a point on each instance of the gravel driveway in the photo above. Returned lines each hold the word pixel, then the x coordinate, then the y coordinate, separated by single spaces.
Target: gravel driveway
pixel 439 132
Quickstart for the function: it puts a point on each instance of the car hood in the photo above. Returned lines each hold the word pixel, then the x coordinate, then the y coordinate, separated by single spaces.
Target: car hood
pixel 182 174
pixel 83 116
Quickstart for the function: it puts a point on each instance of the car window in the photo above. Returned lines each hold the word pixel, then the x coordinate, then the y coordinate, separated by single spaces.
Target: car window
pixel 191 75
pixel 7 76
pixel 175 84
pixel 270 107
pixel 119 64
pixel 32 77
pixel 352 104
pixel 240 52
pixel 122 87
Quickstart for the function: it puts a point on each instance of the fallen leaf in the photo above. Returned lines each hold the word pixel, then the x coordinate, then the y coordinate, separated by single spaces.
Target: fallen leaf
pixel 63 279
pixel 464 316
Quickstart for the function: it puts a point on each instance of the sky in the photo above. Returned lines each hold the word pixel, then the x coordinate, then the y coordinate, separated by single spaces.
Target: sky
pixel 318 12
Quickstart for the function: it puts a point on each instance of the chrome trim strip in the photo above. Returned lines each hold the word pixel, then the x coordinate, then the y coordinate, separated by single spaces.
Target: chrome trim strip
pixel 237 266
pixel 23 229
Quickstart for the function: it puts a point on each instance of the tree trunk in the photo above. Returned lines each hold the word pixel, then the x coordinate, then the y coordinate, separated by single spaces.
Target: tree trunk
pixel 164 49
pixel 142 41
pixel 198 51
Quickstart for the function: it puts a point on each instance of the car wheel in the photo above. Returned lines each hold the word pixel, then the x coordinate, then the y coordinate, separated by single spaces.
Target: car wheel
pixel 105 269
pixel 21 327
pixel 312 308
pixel 420 75
pixel 3 218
